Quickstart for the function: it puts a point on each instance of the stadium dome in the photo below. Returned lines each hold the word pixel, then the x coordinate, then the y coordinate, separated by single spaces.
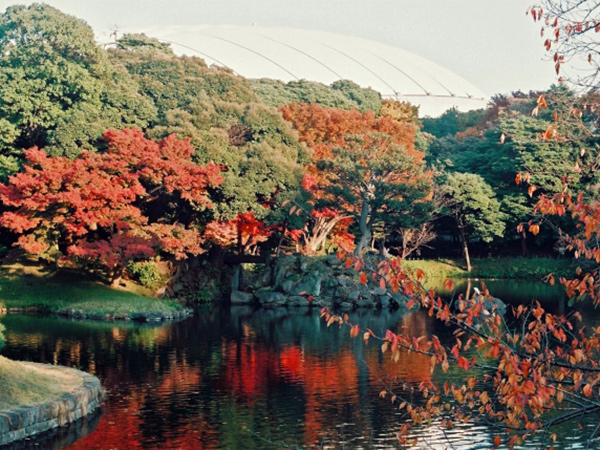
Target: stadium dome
pixel 289 54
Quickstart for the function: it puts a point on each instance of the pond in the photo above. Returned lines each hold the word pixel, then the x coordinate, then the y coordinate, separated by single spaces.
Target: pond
pixel 240 379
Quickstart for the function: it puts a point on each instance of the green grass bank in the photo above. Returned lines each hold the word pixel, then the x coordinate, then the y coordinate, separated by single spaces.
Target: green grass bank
pixel 503 268
pixel 64 292
pixel 26 383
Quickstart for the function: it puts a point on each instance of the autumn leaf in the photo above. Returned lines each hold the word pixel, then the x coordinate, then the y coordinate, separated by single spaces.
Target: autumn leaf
pixel 463 363
pixel 534 229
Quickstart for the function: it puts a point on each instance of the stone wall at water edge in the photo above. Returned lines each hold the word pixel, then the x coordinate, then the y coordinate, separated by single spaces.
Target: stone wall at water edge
pixel 297 280
pixel 29 420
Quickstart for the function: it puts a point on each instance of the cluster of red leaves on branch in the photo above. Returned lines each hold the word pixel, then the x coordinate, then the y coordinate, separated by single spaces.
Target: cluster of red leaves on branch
pixel 94 207
pixel 583 245
pixel 245 231
pixel 523 376
pixel 323 129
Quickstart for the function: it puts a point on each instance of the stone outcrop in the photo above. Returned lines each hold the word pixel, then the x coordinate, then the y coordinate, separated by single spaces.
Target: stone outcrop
pixel 79 314
pixel 149 316
pixel 296 280
pixel 29 420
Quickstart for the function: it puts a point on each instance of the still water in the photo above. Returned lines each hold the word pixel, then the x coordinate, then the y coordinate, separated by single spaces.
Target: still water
pixel 242 379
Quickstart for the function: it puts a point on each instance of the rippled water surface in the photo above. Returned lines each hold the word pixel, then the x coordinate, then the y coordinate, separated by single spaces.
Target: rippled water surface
pixel 241 379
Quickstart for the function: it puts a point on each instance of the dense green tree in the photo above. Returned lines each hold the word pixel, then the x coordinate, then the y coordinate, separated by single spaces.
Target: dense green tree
pixel 57 88
pixel 510 141
pixel 226 122
pixel 366 99
pixel 451 122
pixel 470 202
pixel 343 94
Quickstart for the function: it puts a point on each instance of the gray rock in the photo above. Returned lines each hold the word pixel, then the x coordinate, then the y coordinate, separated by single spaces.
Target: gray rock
pixel 383 301
pixel 287 286
pixel 270 297
pixel 297 300
pixel 379 291
pixel 304 264
pixel 365 292
pixel 323 301
pixel 353 296
pixel 279 274
pixel 241 298
pixel 25 421
pixel 265 278
pixel 492 304
pixel 333 261
pixel 366 303
pixel 345 306
pixel 235 279
pixel 309 285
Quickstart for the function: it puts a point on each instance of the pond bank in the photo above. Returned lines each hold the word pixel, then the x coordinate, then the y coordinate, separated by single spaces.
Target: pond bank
pixel 517 268
pixel 296 280
pixel 35 289
pixel 54 396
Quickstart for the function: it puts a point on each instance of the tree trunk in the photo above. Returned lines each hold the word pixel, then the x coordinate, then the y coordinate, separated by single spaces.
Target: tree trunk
pixel 468 294
pixel 240 244
pixel 321 229
pixel 465 245
pixel 117 276
pixel 364 225
pixel 524 251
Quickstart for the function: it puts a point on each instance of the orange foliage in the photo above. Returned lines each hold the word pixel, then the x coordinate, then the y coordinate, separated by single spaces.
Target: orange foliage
pixel 545 360
pixel 323 129
pixel 226 233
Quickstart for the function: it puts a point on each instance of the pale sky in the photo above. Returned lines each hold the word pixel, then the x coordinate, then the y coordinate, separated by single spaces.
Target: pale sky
pixel 491 43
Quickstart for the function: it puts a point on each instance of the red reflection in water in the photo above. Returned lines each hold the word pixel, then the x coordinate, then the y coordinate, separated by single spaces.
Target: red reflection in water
pixel 246 369
pixel 122 427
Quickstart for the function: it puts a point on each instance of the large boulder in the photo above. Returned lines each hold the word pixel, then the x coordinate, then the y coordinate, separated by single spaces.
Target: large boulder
pixel 266 297
pixel 241 298
pixel 308 285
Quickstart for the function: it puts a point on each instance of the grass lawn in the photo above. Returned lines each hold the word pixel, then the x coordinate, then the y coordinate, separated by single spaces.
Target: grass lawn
pixel 506 268
pixel 27 286
pixel 27 383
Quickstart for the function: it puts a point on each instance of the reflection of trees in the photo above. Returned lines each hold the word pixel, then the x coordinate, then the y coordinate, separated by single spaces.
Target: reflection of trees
pixel 411 367
pixel 203 383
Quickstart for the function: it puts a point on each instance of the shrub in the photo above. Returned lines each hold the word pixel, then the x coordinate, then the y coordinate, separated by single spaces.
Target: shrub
pixel 146 272
pixel 203 296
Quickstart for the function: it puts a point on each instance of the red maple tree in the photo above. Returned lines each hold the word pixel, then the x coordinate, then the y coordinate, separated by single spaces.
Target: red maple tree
pixel 101 208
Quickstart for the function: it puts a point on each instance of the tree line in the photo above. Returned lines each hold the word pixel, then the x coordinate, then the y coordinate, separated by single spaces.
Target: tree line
pixel 128 153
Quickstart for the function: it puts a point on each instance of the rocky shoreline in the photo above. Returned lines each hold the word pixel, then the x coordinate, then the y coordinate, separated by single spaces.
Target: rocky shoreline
pixel 149 316
pixel 296 280
pixel 29 420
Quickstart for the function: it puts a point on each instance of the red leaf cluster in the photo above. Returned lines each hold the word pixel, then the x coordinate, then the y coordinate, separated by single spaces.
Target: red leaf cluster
pixel 94 207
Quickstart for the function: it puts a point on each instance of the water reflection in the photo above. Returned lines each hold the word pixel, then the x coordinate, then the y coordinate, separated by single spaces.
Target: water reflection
pixel 229 379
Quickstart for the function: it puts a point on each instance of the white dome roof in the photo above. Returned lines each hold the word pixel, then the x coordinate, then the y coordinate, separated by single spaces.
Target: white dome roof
pixel 289 54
